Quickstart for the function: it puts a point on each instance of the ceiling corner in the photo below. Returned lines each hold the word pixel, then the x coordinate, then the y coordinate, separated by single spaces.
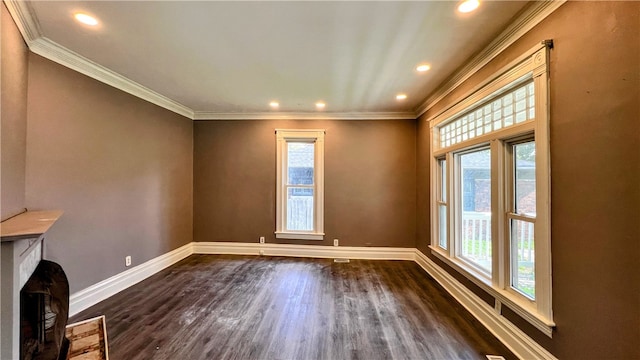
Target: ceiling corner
pixel 525 21
pixel 63 56
pixel 25 19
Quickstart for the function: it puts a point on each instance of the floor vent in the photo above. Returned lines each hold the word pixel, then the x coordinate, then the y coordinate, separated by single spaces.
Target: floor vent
pixel 495 357
pixel 341 260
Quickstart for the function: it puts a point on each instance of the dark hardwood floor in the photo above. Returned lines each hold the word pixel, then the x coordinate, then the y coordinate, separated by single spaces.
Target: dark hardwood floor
pixel 248 307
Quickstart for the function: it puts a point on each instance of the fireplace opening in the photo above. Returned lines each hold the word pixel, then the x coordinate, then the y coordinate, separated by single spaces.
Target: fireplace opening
pixel 44 312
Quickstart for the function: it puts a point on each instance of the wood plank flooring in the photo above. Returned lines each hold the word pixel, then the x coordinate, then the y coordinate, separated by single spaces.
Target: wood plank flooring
pixel 249 307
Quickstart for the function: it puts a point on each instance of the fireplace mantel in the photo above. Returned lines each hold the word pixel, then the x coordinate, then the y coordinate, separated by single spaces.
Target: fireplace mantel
pixel 28 225
pixel 21 251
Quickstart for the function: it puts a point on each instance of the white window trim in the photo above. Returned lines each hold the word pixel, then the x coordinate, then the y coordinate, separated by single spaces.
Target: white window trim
pixel 282 137
pixel 532 64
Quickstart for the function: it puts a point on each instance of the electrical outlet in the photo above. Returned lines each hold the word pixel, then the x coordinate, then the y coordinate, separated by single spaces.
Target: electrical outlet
pixel 335 242
pixel 127 261
pixel 261 239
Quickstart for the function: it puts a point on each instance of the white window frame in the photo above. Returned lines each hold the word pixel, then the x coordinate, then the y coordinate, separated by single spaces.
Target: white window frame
pixel 283 137
pixel 532 65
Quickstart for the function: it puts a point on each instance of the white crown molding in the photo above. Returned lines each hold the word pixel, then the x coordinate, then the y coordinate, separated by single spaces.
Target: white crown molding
pixel 533 15
pixel 28 25
pixel 210 115
pixel 30 29
pixel 92 295
pixel 511 336
pixel 63 56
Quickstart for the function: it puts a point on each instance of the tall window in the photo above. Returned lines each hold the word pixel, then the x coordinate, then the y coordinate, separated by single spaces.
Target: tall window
pixel 490 182
pixel 300 184
pixel 474 203
pixel 442 202
pixel 521 217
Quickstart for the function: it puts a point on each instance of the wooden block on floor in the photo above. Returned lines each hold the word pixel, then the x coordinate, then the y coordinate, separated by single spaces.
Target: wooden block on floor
pixel 88 340
pixel 84 328
pixel 93 355
pixel 85 342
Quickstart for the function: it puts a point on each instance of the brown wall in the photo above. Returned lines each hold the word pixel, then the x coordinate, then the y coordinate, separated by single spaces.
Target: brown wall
pixel 130 181
pixel 369 181
pixel 121 169
pixel 595 167
pixel 13 129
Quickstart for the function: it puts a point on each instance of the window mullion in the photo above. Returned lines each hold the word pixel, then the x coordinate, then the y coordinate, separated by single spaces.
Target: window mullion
pixel 515 216
pixel 433 173
pixel 497 209
pixel 451 209
pixel 508 203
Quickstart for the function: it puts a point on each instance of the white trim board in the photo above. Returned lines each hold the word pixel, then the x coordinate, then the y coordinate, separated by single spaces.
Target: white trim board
pixel 74 61
pixel 312 251
pixel 95 293
pixel 515 339
pixel 511 336
pixel 531 17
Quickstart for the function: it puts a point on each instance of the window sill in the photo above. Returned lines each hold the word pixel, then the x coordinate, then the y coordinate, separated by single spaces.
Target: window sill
pixel 524 308
pixel 299 236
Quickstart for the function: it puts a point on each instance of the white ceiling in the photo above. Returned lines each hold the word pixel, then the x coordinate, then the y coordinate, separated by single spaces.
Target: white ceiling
pixel 236 57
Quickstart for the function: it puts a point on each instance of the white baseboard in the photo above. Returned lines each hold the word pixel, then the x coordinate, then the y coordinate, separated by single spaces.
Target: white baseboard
pixel 515 339
pixel 511 336
pixel 313 251
pixel 92 295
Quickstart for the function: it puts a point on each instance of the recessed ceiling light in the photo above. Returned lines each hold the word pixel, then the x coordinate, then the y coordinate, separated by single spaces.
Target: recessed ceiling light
pixel 274 104
pixel 401 96
pixel 468 6
pixel 86 19
pixel 423 67
pixel 320 105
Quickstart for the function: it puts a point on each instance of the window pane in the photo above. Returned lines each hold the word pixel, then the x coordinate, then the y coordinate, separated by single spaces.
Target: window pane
pixel 515 106
pixel 475 231
pixel 523 258
pixel 525 178
pixel 443 179
pixel 442 208
pixel 300 157
pixel 299 209
pixel 442 226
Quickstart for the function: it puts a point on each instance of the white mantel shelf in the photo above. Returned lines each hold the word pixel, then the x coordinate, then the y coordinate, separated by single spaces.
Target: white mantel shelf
pixel 28 225
pixel 22 249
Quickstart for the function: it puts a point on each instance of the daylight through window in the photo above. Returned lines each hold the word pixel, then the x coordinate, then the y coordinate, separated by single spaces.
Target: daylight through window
pixel 299 189
pixel 490 183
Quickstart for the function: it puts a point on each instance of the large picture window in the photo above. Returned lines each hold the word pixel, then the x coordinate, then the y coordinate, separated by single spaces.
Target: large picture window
pixel 490 183
pixel 300 184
